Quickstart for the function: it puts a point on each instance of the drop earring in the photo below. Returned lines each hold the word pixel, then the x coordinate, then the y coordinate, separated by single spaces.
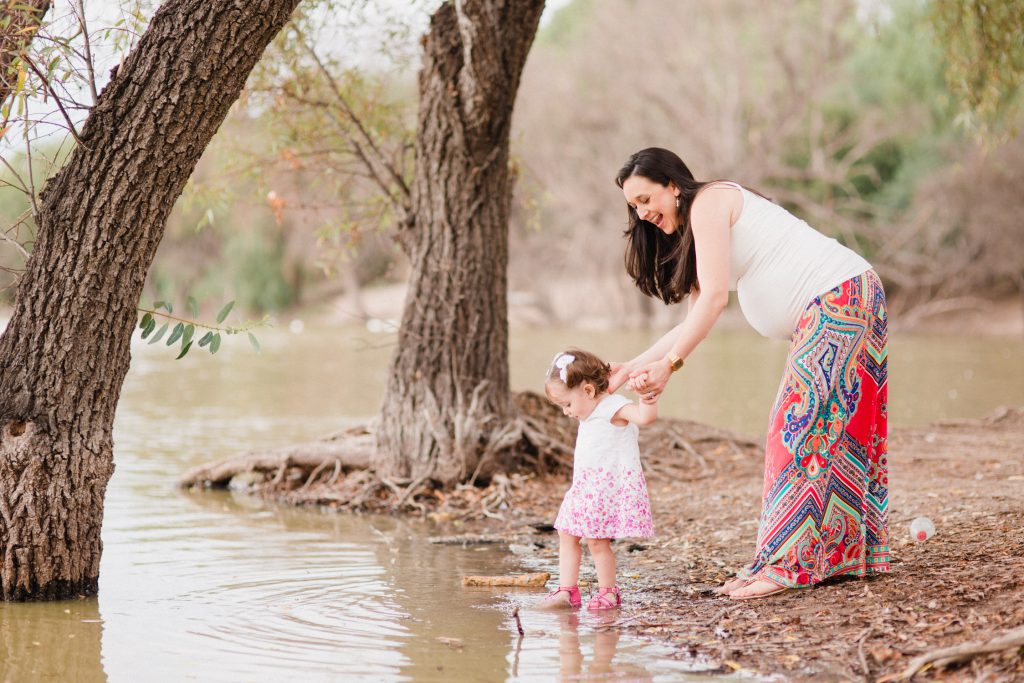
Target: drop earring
pixel 679 203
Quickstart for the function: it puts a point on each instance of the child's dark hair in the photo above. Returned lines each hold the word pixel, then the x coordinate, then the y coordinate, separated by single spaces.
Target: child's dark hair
pixel 584 367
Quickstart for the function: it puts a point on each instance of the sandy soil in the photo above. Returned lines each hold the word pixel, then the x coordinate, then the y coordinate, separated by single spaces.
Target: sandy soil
pixel 964 585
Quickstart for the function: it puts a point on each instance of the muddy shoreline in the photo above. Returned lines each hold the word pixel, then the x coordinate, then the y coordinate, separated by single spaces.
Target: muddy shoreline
pixel 962 585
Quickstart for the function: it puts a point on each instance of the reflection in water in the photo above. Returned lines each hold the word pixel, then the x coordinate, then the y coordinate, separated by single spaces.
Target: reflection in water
pixel 58 641
pixel 574 666
pixel 581 645
pixel 244 591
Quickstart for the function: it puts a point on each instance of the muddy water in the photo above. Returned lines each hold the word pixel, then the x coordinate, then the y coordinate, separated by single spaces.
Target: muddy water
pixel 215 587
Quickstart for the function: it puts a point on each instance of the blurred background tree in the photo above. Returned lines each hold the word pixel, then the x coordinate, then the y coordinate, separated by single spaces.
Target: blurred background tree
pixel 839 111
pixel 888 125
pixel 984 46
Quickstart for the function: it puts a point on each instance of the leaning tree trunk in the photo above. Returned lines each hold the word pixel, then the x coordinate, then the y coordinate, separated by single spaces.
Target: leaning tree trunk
pixel 65 353
pixel 448 380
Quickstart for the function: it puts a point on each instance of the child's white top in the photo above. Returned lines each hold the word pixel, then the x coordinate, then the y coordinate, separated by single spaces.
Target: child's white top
pixel 779 264
pixel 608 496
pixel 599 443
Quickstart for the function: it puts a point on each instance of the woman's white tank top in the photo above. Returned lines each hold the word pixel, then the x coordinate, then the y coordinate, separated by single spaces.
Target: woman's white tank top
pixel 779 264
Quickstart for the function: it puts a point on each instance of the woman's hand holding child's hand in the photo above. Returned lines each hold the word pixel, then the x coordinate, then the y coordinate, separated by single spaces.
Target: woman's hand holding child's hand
pixel 650 380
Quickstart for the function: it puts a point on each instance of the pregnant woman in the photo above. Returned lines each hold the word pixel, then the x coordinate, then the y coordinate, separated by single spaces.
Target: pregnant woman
pixel 825 498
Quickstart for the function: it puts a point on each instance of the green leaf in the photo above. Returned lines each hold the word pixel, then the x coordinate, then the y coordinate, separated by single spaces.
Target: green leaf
pixel 167 305
pixel 187 337
pixel 179 329
pixel 184 350
pixel 255 342
pixel 159 334
pixel 146 319
pixel 215 343
pixel 150 326
pixel 224 312
pixel 206 339
pixel 193 307
pixel 158 304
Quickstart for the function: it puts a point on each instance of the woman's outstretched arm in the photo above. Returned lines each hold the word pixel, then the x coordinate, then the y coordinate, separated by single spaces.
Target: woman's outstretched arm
pixel 661 348
pixel 711 219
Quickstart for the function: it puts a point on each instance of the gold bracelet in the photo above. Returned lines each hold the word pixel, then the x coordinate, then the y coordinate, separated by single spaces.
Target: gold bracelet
pixel 675 362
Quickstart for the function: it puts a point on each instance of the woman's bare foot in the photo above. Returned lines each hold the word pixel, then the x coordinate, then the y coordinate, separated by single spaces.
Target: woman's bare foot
pixel 758 589
pixel 730 585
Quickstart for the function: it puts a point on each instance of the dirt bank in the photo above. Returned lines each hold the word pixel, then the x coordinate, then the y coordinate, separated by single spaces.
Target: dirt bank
pixel 963 586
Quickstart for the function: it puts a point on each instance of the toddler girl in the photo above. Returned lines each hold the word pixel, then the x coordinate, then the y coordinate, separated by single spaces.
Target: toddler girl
pixel 608 496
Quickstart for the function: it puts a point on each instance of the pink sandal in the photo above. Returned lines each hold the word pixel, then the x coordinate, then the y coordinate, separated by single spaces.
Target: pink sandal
pixel 551 602
pixel 603 601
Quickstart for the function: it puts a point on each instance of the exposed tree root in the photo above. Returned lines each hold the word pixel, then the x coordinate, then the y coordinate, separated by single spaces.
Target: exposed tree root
pixel 336 471
pixel 959 653
pixel 350 449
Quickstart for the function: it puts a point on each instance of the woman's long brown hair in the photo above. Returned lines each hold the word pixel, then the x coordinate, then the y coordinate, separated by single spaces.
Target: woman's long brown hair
pixel 663 266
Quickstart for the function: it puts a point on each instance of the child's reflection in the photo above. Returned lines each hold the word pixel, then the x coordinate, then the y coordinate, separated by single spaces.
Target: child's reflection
pixel 605 639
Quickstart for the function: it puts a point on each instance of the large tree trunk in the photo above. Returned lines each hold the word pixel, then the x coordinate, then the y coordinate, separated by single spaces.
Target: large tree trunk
pixel 65 353
pixel 448 381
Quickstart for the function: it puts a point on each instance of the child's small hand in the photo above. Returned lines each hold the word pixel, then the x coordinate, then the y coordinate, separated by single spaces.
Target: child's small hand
pixel 649 399
pixel 618 377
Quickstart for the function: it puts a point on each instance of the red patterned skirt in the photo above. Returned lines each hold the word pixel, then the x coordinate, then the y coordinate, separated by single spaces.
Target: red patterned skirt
pixel 825 504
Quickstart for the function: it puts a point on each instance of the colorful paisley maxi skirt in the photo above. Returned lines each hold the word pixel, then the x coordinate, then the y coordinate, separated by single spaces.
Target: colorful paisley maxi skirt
pixel 825 502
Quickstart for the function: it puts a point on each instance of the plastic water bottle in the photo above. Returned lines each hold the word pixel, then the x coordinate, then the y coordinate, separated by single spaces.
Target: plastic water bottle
pixel 921 529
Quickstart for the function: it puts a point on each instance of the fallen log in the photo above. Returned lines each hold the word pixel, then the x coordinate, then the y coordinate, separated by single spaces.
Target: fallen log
pixel 536 580
pixel 467 539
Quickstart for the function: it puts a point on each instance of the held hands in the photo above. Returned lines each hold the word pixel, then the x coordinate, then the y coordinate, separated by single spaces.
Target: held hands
pixel 650 380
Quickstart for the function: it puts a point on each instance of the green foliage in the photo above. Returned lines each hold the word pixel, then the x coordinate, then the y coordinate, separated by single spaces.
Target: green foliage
pixel 984 47
pixel 184 329
pixel 256 269
pixel 895 113
pixel 566 25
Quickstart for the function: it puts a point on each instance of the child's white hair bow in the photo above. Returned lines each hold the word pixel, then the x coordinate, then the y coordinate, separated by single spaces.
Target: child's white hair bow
pixel 562 361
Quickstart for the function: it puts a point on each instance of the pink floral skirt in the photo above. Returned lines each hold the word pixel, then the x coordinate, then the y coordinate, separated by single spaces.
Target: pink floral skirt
pixel 606 503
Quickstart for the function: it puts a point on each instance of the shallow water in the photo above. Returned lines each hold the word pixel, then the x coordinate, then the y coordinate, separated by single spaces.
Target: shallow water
pixel 218 587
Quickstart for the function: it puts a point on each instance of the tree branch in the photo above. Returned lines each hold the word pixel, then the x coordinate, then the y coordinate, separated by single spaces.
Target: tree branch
pixel 16 37
pixel 371 153
pixel 88 52
pixel 60 104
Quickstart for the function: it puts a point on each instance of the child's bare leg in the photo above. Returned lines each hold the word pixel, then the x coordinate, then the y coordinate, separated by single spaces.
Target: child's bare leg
pixel 569 555
pixel 604 561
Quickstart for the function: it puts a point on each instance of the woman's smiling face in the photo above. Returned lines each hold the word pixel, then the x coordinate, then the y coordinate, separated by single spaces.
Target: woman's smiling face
pixel 653 202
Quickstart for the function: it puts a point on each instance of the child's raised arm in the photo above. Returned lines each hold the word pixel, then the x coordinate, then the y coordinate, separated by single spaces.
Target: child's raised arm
pixel 640 414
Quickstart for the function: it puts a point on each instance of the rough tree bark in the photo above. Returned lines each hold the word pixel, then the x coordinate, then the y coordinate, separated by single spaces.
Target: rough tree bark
pixel 65 353
pixel 23 21
pixel 448 389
